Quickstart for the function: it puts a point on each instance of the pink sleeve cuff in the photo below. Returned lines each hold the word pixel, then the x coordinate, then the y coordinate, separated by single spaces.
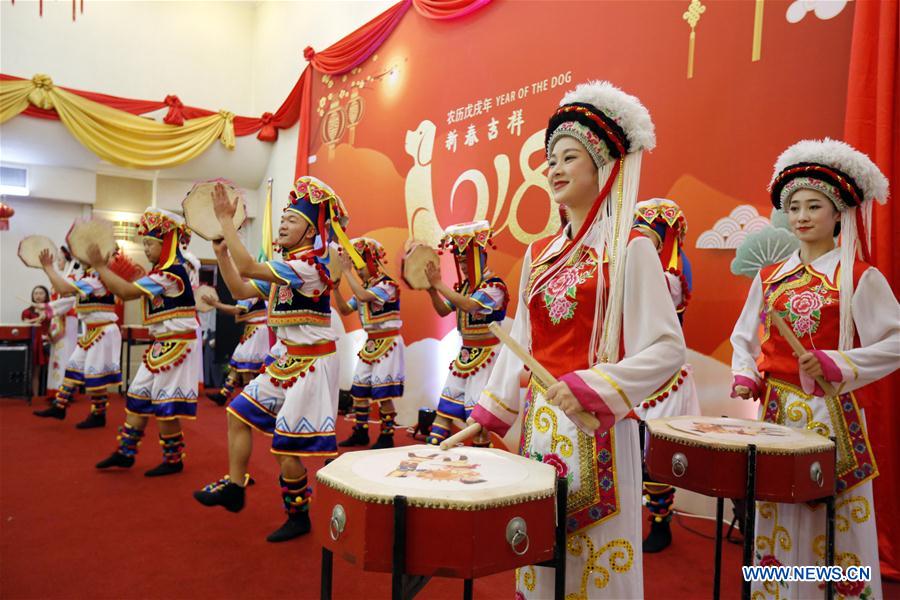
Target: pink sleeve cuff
pixel 487 420
pixel 746 382
pixel 590 400
pixel 831 370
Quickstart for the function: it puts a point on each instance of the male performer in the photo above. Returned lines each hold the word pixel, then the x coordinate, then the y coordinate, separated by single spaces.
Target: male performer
pixel 165 386
pixel 296 398
pixel 380 371
pixel 479 299
pixel 95 362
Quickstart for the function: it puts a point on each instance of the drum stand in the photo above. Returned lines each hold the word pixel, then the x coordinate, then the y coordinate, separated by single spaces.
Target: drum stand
pixel 405 586
pixel 750 528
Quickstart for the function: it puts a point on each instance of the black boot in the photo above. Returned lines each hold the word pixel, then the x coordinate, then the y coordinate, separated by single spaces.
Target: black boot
pixel 92 421
pixel 165 468
pixel 385 440
pixel 660 537
pixel 55 411
pixel 359 437
pixel 223 492
pixel 297 524
pixel 218 397
pixel 116 460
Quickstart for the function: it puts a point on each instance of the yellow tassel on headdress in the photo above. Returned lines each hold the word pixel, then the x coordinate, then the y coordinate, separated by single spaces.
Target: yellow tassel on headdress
pixel 673 261
pixel 345 242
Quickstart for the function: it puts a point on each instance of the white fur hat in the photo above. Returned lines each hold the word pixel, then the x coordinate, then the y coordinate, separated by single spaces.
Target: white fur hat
pixel 847 176
pixel 606 120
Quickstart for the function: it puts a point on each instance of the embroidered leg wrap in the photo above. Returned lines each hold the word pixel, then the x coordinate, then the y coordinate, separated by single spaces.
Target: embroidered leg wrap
pixel 295 494
pixel 387 422
pixel 64 395
pixel 438 434
pixel 659 499
pixel 228 387
pixel 99 402
pixel 172 447
pixel 129 440
pixel 361 410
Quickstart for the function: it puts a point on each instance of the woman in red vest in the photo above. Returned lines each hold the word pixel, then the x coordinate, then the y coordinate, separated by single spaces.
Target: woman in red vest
pixel 843 311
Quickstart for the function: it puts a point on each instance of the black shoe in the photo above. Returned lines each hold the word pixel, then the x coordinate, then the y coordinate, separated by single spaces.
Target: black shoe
pixel 659 539
pixel 55 411
pixel 223 493
pixel 218 397
pixel 116 460
pixel 385 440
pixel 296 525
pixel 359 437
pixel 165 468
pixel 92 422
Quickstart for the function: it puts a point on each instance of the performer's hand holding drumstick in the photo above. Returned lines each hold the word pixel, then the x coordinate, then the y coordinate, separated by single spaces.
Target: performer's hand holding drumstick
pixel 558 393
pixel 807 361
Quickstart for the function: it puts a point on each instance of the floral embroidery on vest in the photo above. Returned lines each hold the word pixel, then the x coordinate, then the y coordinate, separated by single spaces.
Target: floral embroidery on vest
pixel 560 293
pixel 804 309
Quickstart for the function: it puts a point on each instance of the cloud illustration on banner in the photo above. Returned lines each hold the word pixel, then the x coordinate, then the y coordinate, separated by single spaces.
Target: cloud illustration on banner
pixel 824 9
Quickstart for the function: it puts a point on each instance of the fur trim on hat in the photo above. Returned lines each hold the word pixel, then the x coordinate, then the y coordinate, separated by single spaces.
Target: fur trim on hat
pixel 625 109
pixel 842 157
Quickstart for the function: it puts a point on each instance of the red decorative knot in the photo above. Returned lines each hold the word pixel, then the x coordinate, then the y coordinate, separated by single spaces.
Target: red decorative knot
pixel 309 53
pixel 645 405
pixel 267 132
pixel 684 372
pixel 653 403
pixel 175 116
pixel 675 388
pixel 664 395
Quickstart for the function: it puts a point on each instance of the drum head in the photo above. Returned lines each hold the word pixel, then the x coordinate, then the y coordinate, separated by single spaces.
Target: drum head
pixel 198 209
pixel 94 231
pixel 30 250
pixel 417 256
pixel 200 292
pixel 728 432
pixel 464 478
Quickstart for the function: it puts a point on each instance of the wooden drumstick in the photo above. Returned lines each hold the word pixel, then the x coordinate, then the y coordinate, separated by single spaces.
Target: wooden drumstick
pixel 587 421
pixel 461 436
pixel 798 348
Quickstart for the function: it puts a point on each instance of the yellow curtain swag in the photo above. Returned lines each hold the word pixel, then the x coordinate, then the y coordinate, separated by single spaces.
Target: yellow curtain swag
pixel 117 136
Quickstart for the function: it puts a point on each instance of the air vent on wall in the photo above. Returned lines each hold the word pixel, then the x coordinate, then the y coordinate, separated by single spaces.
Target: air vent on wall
pixel 14 181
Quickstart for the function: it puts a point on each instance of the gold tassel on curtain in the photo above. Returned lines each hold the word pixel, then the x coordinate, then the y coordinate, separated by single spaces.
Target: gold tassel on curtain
pixel 114 135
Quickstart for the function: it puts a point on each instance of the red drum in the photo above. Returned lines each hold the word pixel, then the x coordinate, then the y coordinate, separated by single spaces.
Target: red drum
pixel 708 455
pixel 16 333
pixel 470 511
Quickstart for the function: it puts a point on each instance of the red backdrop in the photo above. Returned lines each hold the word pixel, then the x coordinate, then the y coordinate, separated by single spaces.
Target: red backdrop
pixel 382 133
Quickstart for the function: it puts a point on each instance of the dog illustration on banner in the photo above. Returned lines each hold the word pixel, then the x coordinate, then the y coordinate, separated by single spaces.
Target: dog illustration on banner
pixel 421 216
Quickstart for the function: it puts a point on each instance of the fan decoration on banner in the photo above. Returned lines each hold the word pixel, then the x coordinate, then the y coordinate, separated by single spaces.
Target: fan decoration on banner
pixel 75 3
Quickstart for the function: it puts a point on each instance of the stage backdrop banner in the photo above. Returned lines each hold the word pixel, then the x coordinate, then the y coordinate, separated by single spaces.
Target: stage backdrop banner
pixel 445 122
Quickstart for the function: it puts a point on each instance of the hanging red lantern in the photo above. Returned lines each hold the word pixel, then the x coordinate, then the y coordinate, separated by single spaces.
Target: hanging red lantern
pixel 6 213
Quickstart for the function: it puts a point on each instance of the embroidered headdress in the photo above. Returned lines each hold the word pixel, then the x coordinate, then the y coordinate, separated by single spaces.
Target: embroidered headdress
pixel 166 227
pixel 315 201
pixel 469 242
pixel 852 182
